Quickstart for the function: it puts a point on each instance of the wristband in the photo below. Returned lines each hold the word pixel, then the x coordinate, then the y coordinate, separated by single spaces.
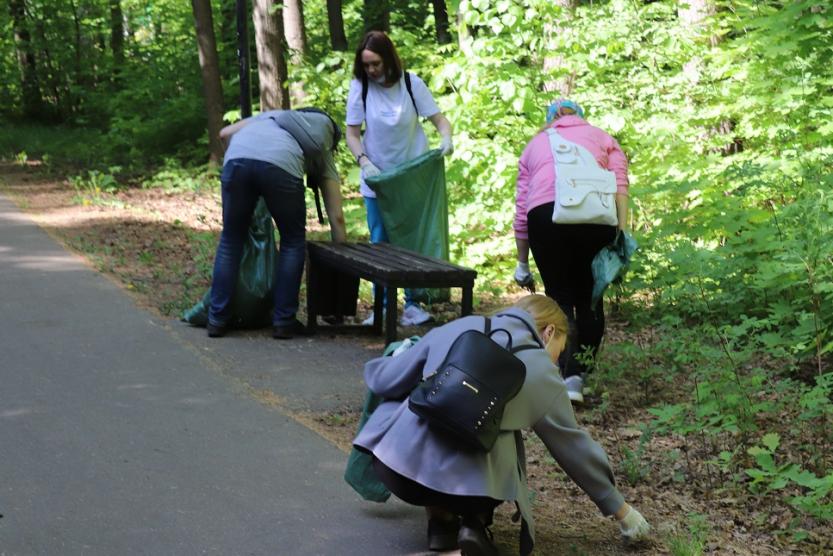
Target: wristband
pixel 359 158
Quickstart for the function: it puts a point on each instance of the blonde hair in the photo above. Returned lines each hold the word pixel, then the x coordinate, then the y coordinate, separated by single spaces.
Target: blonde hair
pixel 545 311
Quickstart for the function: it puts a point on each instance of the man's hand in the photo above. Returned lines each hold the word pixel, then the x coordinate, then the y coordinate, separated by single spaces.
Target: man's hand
pixel 523 277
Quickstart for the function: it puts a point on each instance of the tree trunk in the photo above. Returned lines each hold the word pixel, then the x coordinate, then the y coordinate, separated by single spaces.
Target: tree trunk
pixel 31 100
pixel 210 68
pixel 271 63
pixel 56 101
pixel 227 48
pixel 117 34
pixel 376 15
pixel 338 41
pixel 293 26
pixel 441 22
pixel 411 15
pixel 244 51
pixel 563 86
pixel 296 40
pixel 694 14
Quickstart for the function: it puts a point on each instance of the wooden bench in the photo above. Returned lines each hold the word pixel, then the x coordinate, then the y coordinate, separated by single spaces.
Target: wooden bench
pixel 387 266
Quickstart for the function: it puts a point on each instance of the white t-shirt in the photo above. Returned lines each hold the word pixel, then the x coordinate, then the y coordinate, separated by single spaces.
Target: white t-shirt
pixel 393 134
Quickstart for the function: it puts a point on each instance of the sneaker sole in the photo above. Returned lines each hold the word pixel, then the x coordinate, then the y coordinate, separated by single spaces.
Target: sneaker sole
pixel 472 546
pixel 575 397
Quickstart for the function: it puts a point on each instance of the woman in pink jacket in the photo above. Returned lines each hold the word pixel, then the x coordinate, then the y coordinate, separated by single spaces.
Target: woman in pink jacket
pixel 564 252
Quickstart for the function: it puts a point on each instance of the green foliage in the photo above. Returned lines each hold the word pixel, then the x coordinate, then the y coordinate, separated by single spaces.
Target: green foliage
pixel 727 124
pixel 61 146
pixel 96 187
pixel 171 176
pixel 693 541
pixel 634 462
pixel 770 475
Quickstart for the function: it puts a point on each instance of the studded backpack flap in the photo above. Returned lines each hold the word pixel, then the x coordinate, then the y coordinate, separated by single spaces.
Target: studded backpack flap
pixel 467 394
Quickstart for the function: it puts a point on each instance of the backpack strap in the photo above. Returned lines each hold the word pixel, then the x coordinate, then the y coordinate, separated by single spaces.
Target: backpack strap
pixel 316 189
pixel 411 92
pixel 364 94
pixel 336 129
pixel 487 330
pixel 537 344
pixel 313 184
pixel 407 87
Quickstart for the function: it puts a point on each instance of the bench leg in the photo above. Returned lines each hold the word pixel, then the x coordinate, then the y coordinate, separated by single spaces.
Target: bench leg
pixel 378 308
pixel 312 289
pixel 390 317
pixel 466 304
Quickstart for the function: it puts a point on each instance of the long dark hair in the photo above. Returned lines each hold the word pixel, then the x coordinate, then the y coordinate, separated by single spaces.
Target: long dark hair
pixel 380 43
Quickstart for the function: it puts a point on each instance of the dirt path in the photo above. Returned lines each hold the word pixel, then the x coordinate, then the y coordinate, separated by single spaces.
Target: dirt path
pixel 159 246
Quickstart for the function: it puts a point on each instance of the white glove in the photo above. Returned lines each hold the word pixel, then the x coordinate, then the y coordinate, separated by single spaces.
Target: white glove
pixel 633 526
pixel 403 347
pixel 523 277
pixel 370 170
pixel 446 145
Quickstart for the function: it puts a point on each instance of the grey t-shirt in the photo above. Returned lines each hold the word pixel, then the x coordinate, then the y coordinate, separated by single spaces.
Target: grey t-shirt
pixel 263 139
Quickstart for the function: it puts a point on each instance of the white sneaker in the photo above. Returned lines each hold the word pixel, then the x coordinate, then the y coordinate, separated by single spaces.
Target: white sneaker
pixel 369 320
pixel 414 315
pixel 575 385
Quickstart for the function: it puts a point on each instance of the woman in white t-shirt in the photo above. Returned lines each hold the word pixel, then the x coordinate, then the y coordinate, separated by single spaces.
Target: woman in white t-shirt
pixel 389 101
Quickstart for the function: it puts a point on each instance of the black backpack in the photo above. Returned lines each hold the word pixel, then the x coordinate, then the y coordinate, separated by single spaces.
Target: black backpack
pixel 467 394
pixel 311 143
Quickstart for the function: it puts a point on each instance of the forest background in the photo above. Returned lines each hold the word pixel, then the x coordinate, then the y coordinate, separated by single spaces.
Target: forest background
pixel 725 109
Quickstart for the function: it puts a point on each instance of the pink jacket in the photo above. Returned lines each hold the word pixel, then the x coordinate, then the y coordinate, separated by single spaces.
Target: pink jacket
pixel 536 169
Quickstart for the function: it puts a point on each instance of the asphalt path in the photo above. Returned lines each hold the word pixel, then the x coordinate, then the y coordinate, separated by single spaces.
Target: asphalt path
pixel 122 433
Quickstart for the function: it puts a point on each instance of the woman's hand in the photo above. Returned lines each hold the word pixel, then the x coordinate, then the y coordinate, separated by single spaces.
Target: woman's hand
pixel 523 277
pixel 369 170
pixel 447 145
pixel 632 525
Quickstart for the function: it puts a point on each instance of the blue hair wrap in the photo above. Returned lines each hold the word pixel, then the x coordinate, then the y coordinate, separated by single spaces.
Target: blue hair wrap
pixel 552 111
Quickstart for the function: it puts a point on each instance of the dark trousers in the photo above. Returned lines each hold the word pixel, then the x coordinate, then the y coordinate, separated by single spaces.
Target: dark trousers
pixel 243 182
pixel 563 254
pixel 418 495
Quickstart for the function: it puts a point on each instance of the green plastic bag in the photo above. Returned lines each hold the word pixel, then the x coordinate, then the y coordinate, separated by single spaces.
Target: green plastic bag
pixel 611 263
pixel 359 473
pixel 252 304
pixel 412 200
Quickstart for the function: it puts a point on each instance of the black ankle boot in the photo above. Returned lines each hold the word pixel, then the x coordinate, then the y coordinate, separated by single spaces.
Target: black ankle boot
pixel 442 534
pixel 289 331
pixel 474 538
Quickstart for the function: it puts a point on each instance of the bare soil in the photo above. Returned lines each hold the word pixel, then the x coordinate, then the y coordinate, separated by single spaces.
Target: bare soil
pixel 159 246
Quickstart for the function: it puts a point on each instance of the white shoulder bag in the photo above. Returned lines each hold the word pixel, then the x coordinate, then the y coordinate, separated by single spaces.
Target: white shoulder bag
pixel 584 192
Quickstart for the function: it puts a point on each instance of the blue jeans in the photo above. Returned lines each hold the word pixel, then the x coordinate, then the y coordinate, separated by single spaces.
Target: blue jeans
pixel 379 235
pixel 243 182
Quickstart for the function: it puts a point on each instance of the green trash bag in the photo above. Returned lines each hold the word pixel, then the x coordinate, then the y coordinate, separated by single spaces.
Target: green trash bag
pixel 359 473
pixel 611 263
pixel 412 200
pixel 252 304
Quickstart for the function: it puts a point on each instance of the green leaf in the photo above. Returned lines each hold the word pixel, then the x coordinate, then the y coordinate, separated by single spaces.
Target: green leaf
pixel 771 441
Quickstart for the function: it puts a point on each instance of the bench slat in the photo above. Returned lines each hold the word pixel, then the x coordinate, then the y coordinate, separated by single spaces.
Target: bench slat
pixel 387 266
pixel 381 263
